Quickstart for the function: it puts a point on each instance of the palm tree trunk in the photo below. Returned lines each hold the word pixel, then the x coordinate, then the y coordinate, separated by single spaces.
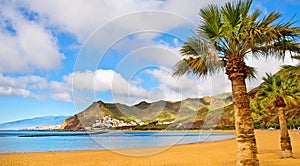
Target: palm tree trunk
pixel 246 143
pixel 285 141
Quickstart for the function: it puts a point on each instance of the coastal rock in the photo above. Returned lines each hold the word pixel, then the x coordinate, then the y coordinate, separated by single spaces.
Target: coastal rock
pixel 72 123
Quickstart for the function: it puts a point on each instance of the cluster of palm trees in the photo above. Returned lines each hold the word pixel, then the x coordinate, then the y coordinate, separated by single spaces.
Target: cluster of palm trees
pixel 226 36
pixel 279 94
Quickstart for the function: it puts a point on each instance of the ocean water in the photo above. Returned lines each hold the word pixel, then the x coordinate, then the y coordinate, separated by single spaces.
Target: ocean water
pixel 43 141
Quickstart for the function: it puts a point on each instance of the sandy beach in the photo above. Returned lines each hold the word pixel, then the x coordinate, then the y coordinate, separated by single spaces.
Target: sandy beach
pixel 212 153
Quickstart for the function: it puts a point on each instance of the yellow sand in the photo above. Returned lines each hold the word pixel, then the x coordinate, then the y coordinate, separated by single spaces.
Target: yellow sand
pixel 213 153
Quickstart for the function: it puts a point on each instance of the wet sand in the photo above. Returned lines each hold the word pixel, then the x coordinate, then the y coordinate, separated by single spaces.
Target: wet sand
pixel 211 153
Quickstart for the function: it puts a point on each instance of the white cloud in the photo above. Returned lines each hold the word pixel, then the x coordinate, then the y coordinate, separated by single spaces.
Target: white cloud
pixel 103 80
pixel 174 89
pixel 34 87
pixel 84 17
pixel 164 76
pixel 25 45
pixel 61 91
pixel 188 86
pixel 16 86
pixel 140 57
pixel 97 81
pixel 32 81
pixel 62 96
pixel 136 41
pixel 263 66
pixel 9 91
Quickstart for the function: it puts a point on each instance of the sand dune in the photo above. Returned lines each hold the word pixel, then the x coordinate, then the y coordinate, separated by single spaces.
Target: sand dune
pixel 212 153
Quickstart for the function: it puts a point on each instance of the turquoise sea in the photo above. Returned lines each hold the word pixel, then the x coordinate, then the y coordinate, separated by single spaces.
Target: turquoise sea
pixel 42 141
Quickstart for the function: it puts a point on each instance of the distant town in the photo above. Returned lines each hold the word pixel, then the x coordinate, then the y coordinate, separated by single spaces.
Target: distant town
pixel 50 127
pixel 109 122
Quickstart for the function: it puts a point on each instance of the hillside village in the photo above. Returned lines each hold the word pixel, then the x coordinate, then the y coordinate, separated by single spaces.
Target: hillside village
pixel 107 122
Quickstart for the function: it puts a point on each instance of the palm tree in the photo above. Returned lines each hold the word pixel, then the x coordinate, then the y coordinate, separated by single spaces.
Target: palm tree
pixel 277 93
pixel 258 114
pixel 225 36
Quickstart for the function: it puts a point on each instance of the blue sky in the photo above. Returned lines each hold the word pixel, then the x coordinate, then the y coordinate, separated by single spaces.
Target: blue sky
pixel 57 57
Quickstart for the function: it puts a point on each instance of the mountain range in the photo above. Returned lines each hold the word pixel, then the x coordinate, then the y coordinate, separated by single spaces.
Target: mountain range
pixel 189 113
pixel 33 122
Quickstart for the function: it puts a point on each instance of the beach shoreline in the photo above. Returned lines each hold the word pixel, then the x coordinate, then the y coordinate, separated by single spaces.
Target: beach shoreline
pixel 207 153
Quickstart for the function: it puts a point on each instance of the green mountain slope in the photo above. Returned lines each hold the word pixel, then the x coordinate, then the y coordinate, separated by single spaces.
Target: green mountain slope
pixel 188 113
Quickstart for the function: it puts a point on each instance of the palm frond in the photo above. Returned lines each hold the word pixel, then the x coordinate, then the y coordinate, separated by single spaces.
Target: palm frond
pixel 199 66
pixel 275 87
pixel 211 24
pixel 251 73
pixel 199 58
pixel 296 57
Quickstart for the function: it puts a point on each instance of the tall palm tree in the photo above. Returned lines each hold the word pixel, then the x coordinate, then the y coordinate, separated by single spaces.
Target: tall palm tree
pixel 225 36
pixel 277 93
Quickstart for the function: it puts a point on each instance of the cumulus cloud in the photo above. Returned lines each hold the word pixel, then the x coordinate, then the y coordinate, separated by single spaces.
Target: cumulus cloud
pixel 62 96
pixel 33 86
pixel 142 56
pixel 263 66
pixel 9 86
pixel 104 80
pixel 161 54
pixel 25 45
pixel 82 17
pixel 164 76
pixel 9 91
pixel 95 82
pixel 187 86
pixel 28 81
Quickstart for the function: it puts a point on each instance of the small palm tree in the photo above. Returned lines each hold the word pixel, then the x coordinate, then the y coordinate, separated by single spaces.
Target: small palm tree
pixel 258 114
pixel 278 94
pixel 225 36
